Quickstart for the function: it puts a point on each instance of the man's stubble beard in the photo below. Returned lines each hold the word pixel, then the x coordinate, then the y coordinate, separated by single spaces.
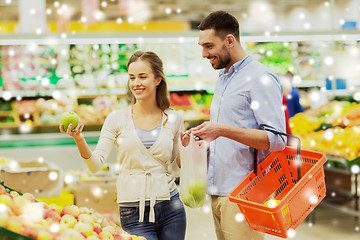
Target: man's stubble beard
pixel 224 60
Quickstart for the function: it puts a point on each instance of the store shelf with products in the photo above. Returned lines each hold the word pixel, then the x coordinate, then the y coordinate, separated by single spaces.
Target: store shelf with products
pixel 85 67
pixel 334 129
pixel 342 183
pixel 89 79
pixel 42 114
pixel 77 220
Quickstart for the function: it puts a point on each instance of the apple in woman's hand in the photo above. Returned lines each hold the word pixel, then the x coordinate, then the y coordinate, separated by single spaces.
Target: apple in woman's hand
pixel 69 117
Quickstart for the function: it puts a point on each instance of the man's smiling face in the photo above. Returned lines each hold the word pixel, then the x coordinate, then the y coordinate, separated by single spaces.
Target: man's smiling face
pixel 214 49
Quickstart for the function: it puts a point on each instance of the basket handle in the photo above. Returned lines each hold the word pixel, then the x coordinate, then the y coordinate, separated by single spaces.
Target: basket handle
pixel 298 158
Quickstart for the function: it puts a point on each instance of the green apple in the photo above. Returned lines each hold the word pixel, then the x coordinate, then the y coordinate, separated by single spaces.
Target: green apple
pixel 197 188
pixel 69 117
pixel 196 193
pixel 189 201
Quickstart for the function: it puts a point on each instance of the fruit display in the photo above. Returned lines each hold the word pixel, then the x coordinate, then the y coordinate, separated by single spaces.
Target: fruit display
pixel 302 124
pixel 100 65
pixel 301 57
pixel 193 107
pixel 42 82
pixel 22 217
pixel 7 116
pixel 96 110
pixel 333 129
pixel 57 72
pixel 48 111
pixel 203 101
pixel 179 99
pixel 29 67
pixel 47 67
pixel 196 193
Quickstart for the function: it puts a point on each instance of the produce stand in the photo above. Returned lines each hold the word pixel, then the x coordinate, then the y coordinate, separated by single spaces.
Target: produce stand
pixel 103 220
pixel 342 184
pixel 6 234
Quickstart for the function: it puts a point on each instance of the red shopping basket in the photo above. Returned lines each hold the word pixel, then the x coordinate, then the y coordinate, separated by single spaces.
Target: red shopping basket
pixel 298 188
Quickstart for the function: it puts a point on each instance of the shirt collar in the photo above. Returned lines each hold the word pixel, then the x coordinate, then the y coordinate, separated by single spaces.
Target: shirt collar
pixel 236 66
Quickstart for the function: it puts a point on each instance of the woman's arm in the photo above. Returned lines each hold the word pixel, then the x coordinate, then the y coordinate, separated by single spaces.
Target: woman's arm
pixel 93 164
pixel 79 139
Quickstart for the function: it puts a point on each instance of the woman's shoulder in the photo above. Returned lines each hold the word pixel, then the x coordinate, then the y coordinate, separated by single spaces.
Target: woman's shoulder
pixel 174 116
pixel 119 113
pixel 173 112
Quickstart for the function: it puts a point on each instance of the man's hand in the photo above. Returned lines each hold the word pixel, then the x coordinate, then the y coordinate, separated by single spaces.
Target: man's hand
pixel 208 131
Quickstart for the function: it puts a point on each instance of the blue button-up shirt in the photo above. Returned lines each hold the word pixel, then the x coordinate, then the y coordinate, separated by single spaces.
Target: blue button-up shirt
pixel 248 96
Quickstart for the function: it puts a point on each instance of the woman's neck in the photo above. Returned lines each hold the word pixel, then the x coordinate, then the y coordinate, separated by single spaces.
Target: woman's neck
pixel 145 108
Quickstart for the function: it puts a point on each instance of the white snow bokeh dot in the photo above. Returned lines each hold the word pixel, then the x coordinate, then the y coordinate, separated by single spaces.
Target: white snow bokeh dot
pixel 239 217
pixel 255 105
pixel 291 233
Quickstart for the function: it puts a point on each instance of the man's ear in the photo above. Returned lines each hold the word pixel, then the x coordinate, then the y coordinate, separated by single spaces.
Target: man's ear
pixel 230 40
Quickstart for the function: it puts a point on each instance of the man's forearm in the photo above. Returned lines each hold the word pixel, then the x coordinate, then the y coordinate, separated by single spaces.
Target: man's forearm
pixel 251 137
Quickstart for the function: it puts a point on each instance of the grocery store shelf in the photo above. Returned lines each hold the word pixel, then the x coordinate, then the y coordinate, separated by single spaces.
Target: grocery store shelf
pixel 310 84
pixel 8 94
pixel 45 139
pixel 190 36
pixel 343 209
pixel 339 92
pixel 103 38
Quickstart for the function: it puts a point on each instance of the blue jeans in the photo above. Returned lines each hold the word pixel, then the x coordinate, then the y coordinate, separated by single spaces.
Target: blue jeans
pixel 170 220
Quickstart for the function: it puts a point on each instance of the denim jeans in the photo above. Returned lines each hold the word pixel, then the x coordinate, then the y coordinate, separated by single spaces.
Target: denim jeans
pixel 170 220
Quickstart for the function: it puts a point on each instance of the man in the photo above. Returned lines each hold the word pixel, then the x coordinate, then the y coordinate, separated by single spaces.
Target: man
pixel 247 100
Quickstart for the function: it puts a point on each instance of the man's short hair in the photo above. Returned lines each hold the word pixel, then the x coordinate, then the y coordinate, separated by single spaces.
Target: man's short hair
pixel 223 23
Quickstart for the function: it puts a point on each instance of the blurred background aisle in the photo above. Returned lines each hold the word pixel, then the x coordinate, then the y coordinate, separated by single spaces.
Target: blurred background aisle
pixel 328 225
pixel 71 55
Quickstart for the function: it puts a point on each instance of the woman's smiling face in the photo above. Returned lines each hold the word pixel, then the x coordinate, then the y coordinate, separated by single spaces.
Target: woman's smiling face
pixel 142 81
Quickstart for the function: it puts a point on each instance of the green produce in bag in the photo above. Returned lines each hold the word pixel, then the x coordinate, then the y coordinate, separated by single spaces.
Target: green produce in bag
pixel 193 173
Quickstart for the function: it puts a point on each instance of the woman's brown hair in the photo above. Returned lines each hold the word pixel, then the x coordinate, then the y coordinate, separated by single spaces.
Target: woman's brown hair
pixel 156 64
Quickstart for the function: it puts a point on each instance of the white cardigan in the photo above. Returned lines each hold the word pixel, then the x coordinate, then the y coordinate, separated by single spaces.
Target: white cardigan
pixel 145 174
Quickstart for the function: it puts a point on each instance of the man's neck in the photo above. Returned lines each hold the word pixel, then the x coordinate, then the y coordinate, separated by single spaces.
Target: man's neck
pixel 238 55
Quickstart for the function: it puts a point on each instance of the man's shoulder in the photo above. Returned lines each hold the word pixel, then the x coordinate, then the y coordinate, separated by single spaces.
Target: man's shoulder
pixel 259 69
pixel 260 66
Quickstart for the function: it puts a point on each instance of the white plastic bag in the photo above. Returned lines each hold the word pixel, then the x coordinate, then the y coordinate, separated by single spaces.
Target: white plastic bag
pixel 193 173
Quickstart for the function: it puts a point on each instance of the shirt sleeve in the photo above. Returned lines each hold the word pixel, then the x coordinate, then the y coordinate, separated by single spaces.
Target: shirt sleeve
pixel 266 101
pixel 173 167
pixel 103 147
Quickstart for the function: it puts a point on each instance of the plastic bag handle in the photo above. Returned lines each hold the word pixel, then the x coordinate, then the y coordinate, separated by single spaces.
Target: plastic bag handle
pixel 298 158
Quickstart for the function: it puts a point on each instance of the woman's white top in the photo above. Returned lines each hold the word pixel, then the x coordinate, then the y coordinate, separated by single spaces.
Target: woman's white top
pixel 145 174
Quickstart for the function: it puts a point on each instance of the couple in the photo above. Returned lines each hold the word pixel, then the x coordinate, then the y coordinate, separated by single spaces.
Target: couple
pixel 247 98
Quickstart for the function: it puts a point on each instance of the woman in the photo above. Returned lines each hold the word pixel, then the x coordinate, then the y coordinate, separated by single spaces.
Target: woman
pixel 146 135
